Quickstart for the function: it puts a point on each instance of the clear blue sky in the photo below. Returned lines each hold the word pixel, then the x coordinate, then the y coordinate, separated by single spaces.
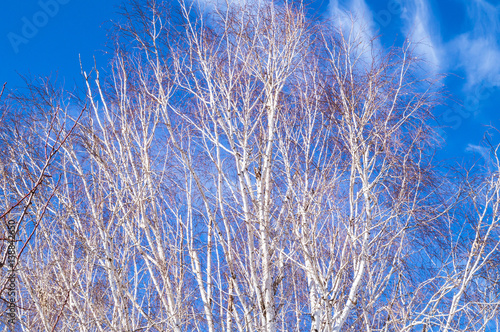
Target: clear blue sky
pixel 63 29
pixel 460 37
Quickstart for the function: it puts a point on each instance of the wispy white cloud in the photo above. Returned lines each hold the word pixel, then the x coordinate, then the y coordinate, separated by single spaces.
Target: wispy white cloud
pixel 210 5
pixel 365 16
pixel 478 50
pixel 483 152
pixel 419 26
pixel 355 19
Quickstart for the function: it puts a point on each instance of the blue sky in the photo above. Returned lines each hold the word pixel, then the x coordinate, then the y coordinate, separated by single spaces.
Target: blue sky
pixel 460 38
pixel 57 32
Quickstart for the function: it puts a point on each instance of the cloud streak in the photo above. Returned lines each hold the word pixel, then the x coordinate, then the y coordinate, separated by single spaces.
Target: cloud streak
pixel 419 28
pixel 211 5
pixel 483 152
pixel 479 48
pixel 355 19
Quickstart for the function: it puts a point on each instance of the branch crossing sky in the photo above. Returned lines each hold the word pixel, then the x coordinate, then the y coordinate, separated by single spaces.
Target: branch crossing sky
pixel 460 38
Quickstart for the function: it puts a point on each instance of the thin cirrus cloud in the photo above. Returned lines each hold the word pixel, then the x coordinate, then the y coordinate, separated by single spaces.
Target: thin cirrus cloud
pixel 342 14
pixel 419 27
pixel 210 5
pixel 484 152
pixel 478 49
pixel 355 19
